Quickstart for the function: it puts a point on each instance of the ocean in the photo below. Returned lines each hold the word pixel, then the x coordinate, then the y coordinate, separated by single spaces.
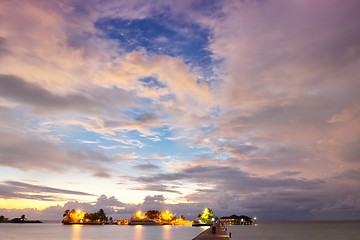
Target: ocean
pixel 348 230
pixel 312 230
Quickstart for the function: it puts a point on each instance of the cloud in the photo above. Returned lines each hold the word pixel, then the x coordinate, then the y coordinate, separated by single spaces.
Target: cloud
pixel 75 60
pixel 146 167
pixel 286 87
pixel 14 88
pixel 39 154
pixel 43 100
pixel 16 189
pixel 173 73
pixel 237 191
pixel 157 188
pixel 9 119
pixel 348 114
pixel 154 199
pixel 226 177
pixel 274 61
pixel 3 49
pixel 264 116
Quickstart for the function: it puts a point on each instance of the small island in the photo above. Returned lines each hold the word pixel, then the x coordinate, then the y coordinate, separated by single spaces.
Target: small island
pixel 205 218
pixel 150 217
pixel 238 220
pixel 155 217
pixel 21 219
pixel 79 217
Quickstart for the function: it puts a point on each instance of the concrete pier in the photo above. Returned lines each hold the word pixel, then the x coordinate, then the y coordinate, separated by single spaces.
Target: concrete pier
pixel 207 234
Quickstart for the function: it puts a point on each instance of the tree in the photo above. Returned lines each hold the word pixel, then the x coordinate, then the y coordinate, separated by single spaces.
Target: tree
pixel 66 213
pixel 101 216
pixel 23 218
pixel 152 214
pixel 66 216
pixel 167 217
pixel 207 216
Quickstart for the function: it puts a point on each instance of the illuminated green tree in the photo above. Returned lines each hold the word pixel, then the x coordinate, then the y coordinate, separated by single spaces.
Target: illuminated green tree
pixel 207 216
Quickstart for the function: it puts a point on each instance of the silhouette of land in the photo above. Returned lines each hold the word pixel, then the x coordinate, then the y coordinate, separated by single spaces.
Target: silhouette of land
pixel 21 219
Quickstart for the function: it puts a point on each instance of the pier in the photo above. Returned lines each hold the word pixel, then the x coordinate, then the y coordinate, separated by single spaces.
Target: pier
pixel 207 234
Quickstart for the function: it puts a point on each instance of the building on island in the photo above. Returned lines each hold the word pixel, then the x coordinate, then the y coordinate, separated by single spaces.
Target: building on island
pixel 135 221
pixel 237 220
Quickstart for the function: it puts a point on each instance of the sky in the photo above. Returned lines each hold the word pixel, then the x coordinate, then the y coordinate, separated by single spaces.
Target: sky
pixel 246 107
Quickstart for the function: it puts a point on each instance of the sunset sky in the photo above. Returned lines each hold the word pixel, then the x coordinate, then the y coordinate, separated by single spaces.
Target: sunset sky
pixel 246 107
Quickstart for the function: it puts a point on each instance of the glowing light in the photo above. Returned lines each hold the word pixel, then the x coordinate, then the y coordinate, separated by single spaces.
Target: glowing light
pixel 166 216
pixel 139 215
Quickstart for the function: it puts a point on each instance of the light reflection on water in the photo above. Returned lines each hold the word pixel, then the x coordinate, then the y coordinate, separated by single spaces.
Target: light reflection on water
pixel 138 232
pixel 166 232
pixel 76 232
pixel 264 231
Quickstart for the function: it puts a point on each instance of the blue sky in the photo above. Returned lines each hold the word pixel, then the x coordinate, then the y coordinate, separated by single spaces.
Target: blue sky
pixel 246 107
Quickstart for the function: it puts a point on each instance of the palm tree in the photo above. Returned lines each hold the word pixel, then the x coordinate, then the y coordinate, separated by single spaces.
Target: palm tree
pixel 23 218
pixel 101 216
pixel 66 216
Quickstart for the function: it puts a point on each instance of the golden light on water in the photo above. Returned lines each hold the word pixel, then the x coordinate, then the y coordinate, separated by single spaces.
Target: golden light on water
pixel 76 231
pixel 138 232
pixel 166 231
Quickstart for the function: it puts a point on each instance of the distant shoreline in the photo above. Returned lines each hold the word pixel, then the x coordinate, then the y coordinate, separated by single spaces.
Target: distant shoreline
pixel 85 223
pixel 22 222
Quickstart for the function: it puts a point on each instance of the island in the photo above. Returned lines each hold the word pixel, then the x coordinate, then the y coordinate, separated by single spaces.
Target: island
pixel 21 219
pixel 84 218
pixel 155 217
pixel 238 220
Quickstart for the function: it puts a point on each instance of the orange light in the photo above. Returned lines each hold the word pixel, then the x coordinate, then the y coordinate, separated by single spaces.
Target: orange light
pixel 139 215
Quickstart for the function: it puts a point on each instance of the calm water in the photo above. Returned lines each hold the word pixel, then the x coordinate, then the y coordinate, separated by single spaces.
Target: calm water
pixel 80 232
pixel 269 231
pixel 349 230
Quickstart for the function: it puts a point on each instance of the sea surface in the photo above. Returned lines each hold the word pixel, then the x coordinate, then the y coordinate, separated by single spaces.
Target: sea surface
pixel 349 230
pixel 312 230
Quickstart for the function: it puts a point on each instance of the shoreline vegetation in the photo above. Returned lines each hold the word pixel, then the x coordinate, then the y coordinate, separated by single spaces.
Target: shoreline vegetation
pixel 150 217
pixel 21 220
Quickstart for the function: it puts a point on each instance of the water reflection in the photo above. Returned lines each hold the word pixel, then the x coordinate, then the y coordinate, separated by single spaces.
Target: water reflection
pixel 166 232
pixel 76 231
pixel 139 232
